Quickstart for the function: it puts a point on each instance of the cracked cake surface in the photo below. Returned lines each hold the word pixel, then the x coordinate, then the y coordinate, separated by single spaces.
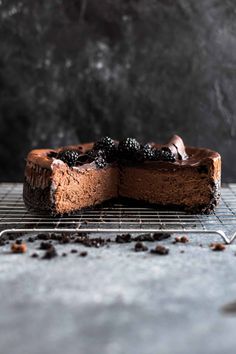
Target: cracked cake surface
pixel 80 176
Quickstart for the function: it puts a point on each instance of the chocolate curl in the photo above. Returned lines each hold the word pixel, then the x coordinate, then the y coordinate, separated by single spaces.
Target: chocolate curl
pixel 176 146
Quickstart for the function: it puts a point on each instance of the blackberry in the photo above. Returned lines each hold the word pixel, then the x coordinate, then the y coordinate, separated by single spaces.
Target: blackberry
pixel 147 152
pixel 129 149
pixel 164 154
pixel 70 157
pixel 98 156
pixel 100 162
pixel 107 145
pixel 93 154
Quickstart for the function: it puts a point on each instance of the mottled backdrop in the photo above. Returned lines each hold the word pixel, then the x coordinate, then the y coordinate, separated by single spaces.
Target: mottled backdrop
pixel 73 70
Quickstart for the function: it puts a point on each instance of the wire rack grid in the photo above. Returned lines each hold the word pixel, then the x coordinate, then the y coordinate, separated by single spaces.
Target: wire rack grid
pixel 116 218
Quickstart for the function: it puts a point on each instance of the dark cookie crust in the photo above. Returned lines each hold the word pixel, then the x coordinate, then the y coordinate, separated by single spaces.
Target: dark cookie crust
pixel 37 198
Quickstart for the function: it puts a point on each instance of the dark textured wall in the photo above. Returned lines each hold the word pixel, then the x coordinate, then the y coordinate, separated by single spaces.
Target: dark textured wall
pixel 73 70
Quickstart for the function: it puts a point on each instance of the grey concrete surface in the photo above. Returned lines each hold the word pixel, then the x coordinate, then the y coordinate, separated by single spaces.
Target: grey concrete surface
pixel 118 301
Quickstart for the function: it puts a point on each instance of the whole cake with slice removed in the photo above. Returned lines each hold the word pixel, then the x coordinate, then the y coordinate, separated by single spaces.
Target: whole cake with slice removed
pixel 71 178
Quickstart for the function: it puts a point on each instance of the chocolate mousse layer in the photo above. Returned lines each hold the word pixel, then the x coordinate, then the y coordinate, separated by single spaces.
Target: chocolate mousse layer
pixel 190 181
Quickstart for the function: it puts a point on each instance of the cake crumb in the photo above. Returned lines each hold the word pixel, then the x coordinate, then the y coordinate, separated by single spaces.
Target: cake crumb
pixel 18 248
pixel 217 246
pixel 140 247
pixel 31 239
pixel 45 245
pixel 83 254
pixel 181 239
pixel 50 253
pixel 124 238
pixel 43 237
pixel 73 250
pixel 34 255
pixel 161 250
pixel 159 236
pixel 151 237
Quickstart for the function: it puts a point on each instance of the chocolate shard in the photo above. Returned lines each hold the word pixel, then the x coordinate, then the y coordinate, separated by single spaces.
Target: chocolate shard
pixel 176 146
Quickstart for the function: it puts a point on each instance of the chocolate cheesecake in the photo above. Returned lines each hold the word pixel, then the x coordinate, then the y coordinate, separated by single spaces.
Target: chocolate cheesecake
pixel 71 178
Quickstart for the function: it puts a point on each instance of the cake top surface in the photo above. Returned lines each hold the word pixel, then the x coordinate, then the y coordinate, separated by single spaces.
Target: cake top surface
pixel 128 151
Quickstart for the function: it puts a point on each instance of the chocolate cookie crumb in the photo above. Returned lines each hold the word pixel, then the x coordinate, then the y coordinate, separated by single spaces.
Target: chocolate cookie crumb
pixel 74 251
pixel 43 237
pixel 140 247
pixel 45 245
pixel 124 238
pixel 50 253
pixel 30 239
pixel 34 255
pixel 161 236
pixel 13 235
pixel 161 250
pixel 182 251
pixel 91 242
pixel 18 241
pixel 83 254
pixel 18 248
pixel 182 239
pixel 217 246
pixel 64 254
pixel 230 308
pixel 151 237
pixel 64 239
pixel 144 237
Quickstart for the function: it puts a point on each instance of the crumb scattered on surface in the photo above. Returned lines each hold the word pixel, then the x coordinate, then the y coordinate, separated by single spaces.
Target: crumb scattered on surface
pixel 124 238
pixel 34 255
pixel 161 250
pixel 151 237
pixel 18 248
pixel 181 239
pixel 83 254
pixel 43 237
pixel 45 245
pixel 217 246
pixel 50 253
pixel 230 308
pixel 140 247
pixel 65 239
pixel 161 236
pixel 74 251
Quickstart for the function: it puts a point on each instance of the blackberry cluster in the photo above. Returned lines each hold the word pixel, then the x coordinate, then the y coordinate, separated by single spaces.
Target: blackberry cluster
pixel 147 152
pixel 129 149
pixel 108 146
pixel 164 154
pixel 100 162
pixel 93 154
pixel 70 157
pixel 99 157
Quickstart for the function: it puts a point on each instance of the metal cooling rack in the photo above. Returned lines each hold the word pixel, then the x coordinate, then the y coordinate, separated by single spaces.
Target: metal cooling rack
pixel 117 218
